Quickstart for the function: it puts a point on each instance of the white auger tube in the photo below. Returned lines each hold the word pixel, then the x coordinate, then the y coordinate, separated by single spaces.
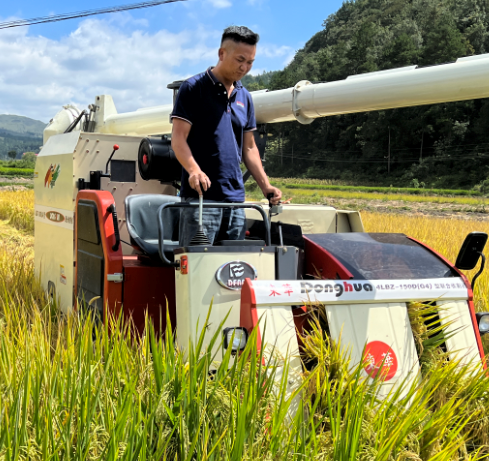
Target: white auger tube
pixel 465 79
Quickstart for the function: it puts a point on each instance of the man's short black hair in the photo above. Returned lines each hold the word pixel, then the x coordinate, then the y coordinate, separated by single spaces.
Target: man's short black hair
pixel 240 34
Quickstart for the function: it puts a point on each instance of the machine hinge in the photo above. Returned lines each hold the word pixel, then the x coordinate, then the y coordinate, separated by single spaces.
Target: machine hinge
pixel 117 278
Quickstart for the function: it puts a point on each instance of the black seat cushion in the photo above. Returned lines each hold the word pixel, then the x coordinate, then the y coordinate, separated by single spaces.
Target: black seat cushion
pixel 142 223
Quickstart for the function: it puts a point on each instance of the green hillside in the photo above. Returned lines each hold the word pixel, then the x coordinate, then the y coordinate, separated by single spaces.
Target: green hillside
pixel 19 134
pixel 22 125
pixel 444 145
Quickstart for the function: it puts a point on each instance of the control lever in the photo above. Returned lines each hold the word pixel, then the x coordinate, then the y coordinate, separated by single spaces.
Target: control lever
pixel 95 176
pixel 280 236
pixel 201 209
pixel 273 210
pixel 200 238
pixel 111 209
pixel 116 147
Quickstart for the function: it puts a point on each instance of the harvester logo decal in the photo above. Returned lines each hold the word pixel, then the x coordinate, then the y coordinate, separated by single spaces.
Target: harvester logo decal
pixel 233 274
pixel 380 360
pixel 236 270
pixel 337 288
pixel 52 175
pixel 54 216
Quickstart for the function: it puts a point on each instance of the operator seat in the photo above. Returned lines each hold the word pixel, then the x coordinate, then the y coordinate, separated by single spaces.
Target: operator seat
pixel 142 224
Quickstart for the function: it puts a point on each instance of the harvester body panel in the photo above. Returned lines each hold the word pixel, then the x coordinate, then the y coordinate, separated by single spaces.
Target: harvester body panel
pixel 197 290
pixel 361 328
pixel 461 342
pixel 364 281
pixel 371 324
pixel 54 216
pixel 61 163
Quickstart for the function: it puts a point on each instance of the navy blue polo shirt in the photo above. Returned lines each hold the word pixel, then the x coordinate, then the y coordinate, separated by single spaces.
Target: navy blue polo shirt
pixel 216 136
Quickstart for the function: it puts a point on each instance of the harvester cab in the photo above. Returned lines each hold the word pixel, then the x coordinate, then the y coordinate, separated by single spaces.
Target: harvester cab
pixel 107 236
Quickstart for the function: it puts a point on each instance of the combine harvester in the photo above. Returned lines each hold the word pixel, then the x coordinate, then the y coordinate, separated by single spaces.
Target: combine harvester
pixel 94 163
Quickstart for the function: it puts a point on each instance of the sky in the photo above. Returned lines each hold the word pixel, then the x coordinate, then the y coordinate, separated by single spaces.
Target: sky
pixel 134 55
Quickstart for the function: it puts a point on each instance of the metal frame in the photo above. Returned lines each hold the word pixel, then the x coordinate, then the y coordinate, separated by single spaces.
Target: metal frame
pixel 161 225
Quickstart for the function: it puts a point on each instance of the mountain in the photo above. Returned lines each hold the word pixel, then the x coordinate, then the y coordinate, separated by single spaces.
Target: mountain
pixel 443 145
pixel 22 125
pixel 19 134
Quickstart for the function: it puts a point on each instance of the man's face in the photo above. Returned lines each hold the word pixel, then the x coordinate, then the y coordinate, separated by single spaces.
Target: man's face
pixel 236 59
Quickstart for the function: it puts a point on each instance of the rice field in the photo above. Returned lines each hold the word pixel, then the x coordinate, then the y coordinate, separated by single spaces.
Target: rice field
pixel 70 390
pixel 312 195
pixel 326 191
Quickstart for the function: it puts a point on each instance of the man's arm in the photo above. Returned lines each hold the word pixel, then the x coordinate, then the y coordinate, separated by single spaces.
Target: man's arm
pixel 251 158
pixel 197 177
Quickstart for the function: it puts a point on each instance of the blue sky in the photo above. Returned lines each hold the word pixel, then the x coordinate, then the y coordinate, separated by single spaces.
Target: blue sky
pixel 133 55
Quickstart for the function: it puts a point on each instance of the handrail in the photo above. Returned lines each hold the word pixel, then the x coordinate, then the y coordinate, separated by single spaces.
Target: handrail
pixel 161 240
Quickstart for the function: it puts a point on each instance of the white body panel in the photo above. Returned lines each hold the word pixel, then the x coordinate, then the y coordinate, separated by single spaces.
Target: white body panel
pixel 197 290
pixel 360 317
pixel 314 219
pixel 278 328
pixel 357 325
pixel 463 345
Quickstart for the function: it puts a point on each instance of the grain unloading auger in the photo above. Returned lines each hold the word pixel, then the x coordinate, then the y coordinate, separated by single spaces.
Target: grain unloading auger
pixel 95 163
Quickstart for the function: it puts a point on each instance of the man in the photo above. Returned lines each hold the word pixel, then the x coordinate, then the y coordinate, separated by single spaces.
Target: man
pixel 213 124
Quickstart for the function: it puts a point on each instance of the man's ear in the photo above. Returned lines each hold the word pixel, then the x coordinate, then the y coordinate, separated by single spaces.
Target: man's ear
pixel 221 53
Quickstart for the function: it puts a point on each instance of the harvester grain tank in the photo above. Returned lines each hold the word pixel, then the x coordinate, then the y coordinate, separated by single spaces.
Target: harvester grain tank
pixel 106 233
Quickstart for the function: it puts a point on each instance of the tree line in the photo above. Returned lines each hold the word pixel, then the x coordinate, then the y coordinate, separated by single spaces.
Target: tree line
pixel 13 145
pixel 443 145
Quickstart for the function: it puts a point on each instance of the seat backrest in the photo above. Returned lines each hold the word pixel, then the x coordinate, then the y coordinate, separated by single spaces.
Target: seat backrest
pixel 142 220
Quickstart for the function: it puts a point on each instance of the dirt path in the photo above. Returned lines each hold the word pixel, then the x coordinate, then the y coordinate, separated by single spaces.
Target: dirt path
pixel 17 183
pixel 442 210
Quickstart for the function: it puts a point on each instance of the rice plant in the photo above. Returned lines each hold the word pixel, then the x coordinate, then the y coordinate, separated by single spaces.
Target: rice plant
pixel 18 208
pixel 71 390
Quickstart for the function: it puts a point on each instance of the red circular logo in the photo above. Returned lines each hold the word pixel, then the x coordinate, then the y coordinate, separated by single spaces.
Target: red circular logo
pixel 145 159
pixel 380 358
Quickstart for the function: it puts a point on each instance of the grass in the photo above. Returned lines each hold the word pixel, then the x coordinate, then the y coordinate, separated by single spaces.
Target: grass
pixel 319 191
pixel 69 390
pixel 313 195
pixel 17 172
pixel 316 184
pixel 9 185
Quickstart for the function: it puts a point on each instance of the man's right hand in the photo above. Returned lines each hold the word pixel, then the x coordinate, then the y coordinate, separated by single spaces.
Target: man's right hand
pixel 199 181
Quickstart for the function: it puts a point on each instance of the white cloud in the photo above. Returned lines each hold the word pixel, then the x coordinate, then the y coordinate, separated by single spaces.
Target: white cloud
pixel 273 51
pixel 220 3
pixel 114 55
pixel 289 58
pixel 39 75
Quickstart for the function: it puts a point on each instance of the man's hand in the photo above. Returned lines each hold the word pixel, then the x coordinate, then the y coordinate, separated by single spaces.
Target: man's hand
pixel 251 158
pixel 277 194
pixel 196 180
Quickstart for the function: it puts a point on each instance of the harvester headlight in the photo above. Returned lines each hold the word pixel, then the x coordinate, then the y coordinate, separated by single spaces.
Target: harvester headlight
pixel 483 322
pixel 237 337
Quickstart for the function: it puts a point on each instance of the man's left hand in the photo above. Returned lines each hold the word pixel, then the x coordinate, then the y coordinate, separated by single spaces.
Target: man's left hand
pixel 277 194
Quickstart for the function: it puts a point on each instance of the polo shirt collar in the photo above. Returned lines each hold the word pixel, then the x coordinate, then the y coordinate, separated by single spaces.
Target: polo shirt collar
pixel 214 80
